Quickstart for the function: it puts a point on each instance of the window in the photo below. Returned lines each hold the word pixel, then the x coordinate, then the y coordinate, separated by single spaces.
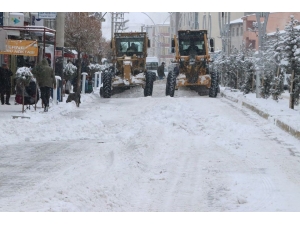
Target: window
pixel 232 33
pixel 124 44
pixel 241 31
pixel 237 31
pixel 151 65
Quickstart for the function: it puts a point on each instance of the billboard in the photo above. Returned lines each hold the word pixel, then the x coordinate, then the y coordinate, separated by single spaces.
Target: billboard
pixel 15 19
pixel 21 47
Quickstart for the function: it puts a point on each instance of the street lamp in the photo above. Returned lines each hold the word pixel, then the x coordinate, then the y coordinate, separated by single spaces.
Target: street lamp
pixel 167 18
pixel 156 31
pixel 149 17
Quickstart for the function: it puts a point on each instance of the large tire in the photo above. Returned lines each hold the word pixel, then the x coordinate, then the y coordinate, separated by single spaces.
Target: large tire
pixel 213 91
pixel 149 84
pixel 106 91
pixel 171 84
pixel 168 84
pixel 154 76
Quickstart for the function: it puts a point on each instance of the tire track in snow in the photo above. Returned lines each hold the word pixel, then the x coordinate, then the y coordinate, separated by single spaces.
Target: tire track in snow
pixel 272 167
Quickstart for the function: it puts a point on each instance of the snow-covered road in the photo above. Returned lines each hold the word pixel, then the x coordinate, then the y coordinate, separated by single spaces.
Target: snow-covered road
pixel 188 153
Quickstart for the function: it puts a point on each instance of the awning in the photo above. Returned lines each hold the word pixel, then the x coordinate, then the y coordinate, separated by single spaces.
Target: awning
pixel 69 54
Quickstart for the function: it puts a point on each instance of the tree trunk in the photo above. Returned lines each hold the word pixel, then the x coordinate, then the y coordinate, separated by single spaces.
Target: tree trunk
pixel 35 99
pixel 252 82
pixel 78 73
pixel 277 75
pixel 292 99
pixel 237 79
pixel 23 87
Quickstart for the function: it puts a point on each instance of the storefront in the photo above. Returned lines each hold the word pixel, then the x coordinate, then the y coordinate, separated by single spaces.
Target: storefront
pixel 27 46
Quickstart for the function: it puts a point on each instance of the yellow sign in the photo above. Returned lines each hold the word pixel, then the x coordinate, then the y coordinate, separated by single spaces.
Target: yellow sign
pixel 21 47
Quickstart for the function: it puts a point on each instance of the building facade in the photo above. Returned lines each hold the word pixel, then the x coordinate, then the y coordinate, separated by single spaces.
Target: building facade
pixel 160 40
pixel 236 32
pixel 275 20
pixel 212 21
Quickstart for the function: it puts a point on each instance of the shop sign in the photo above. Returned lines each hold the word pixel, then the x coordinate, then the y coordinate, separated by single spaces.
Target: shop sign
pixel 35 21
pixel 47 15
pixel 21 47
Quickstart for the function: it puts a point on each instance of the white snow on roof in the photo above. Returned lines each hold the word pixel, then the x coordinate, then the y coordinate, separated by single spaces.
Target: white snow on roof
pixel 236 21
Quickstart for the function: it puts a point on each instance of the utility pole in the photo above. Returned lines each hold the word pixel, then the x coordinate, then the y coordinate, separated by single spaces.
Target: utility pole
pixel 60 30
pixel 117 23
pixel 196 21
pixel 224 26
pixel 112 25
pixel 60 37
pixel 207 24
pixel 261 35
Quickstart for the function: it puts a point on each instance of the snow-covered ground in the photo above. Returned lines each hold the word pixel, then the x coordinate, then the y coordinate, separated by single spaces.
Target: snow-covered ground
pixel 276 109
pixel 132 153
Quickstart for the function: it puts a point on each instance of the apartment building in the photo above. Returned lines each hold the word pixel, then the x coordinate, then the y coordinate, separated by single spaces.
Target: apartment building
pixel 275 20
pixel 160 38
pixel 236 32
pixel 212 21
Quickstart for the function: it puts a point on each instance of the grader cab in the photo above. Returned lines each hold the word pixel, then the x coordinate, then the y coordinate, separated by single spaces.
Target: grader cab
pixel 192 57
pixel 129 65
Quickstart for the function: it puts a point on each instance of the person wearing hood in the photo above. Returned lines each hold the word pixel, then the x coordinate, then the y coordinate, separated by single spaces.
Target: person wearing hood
pixel 46 80
pixel 5 83
pixel 160 71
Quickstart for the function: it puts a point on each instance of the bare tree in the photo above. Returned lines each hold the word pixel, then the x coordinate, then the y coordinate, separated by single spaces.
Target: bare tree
pixel 83 33
pixel 105 49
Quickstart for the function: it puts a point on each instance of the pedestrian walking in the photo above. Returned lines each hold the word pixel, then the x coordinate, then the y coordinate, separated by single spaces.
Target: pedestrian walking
pixel 46 80
pixel 161 71
pixel 5 83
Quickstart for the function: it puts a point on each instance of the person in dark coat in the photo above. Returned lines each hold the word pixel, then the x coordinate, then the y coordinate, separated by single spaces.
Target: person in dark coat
pixel 193 48
pixel 132 48
pixel 161 71
pixel 5 83
pixel 46 80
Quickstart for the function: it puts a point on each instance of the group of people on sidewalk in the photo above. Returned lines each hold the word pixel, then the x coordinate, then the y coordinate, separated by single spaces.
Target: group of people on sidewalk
pixel 44 75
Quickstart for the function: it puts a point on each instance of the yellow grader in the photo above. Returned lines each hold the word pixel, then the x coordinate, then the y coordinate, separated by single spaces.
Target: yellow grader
pixel 129 65
pixel 192 58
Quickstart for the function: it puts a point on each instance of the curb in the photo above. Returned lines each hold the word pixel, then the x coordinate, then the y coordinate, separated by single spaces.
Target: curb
pixel 287 128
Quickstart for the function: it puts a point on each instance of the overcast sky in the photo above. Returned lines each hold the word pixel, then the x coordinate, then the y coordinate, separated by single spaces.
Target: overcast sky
pixel 136 20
